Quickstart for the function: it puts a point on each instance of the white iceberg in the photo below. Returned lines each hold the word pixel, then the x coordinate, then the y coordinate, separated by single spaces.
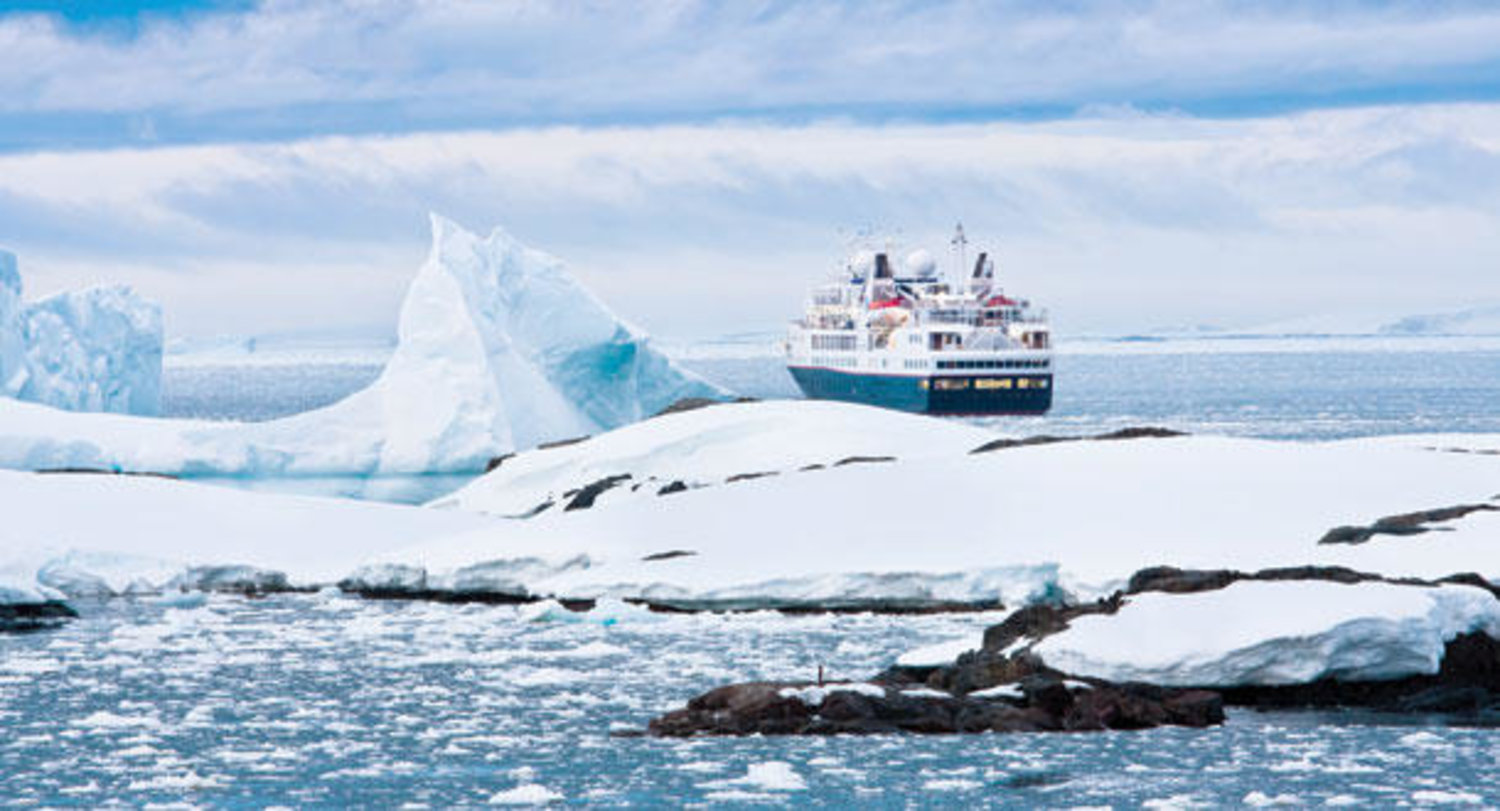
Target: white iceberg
pixel 98 349
pixel 1274 633
pixel 499 349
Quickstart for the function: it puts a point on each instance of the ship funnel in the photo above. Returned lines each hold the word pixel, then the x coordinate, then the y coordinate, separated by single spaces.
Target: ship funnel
pixel 883 267
pixel 979 265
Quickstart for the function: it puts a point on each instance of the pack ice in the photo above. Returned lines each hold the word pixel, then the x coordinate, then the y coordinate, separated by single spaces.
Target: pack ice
pixel 499 349
pixel 97 349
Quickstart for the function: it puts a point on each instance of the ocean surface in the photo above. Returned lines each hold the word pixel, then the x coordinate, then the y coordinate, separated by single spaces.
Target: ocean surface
pixel 324 700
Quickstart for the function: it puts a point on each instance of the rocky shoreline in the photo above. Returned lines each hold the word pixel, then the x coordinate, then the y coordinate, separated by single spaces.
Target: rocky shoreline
pixel 22 618
pixel 1005 686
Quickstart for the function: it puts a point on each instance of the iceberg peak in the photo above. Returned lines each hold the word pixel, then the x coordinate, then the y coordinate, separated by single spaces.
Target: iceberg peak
pixel 501 349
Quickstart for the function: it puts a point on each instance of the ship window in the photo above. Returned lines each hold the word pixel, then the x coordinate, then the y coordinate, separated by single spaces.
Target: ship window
pixel 1023 382
pixel 951 383
pixel 1041 383
pixel 990 383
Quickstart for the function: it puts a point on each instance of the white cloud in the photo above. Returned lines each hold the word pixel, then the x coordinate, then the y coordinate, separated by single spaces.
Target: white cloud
pixel 1118 222
pixel 389 65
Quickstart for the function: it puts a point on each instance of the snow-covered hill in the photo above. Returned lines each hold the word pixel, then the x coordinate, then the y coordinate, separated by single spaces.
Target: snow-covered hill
pixel 767 516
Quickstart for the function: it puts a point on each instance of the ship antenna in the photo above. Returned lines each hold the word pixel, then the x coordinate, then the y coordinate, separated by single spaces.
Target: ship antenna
pixel 960 243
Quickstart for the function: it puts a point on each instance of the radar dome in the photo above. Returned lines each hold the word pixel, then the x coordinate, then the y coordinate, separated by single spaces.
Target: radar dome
pixel 920 264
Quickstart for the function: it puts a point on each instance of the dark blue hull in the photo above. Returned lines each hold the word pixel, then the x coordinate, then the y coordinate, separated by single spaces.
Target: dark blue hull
pixel 976 394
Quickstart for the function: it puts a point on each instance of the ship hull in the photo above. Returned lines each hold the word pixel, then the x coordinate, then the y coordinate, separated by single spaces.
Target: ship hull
pixel 984 394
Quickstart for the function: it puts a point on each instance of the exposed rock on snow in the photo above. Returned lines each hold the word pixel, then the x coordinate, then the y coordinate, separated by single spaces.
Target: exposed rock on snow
pixel 1147 432
pixel 499 349
pixel 97 349
pixel 1413 523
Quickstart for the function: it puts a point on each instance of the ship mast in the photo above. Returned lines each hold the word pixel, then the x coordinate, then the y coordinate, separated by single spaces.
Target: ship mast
pixel 960 244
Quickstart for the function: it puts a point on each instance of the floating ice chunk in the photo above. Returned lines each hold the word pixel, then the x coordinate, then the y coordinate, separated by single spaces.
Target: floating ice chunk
pixel 1436 797
pixel 527 794
pixel 771 775
pixel 1259 799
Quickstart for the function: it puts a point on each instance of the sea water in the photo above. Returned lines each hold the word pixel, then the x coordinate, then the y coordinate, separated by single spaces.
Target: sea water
pixel 324 700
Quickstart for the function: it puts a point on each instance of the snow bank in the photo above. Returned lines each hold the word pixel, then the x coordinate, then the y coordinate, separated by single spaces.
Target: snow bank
pixel 98 535
pixel 1273 633
pixel 98 349
pixel 937 525
pixel 1016 525
pixel 499 349
pixel 708 446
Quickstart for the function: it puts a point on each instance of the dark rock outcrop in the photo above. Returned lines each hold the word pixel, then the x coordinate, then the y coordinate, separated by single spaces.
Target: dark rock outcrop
pixel 584 497
pixel 562 443
pixel 669 555
pixel 1186 581
pixel 745 477
pixel 863 460
pixel 1040 703
pixel 695 403
pixel 1140 432
pixel 99 471
pixel 22 618
pixel 1413 523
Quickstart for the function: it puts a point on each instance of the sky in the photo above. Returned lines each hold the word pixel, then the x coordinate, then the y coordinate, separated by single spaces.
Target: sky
pixel 268 167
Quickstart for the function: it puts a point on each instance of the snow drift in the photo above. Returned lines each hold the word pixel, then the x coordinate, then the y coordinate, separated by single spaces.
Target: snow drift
pixel 90 535
pixel 1274 634
pixel 934 523
pixel 97 349
pixel 498 349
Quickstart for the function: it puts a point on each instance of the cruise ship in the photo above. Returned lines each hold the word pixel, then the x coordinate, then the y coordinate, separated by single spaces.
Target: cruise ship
pixel 909 337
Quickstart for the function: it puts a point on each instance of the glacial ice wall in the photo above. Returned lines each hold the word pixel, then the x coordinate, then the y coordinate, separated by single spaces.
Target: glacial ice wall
pixel 98 349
